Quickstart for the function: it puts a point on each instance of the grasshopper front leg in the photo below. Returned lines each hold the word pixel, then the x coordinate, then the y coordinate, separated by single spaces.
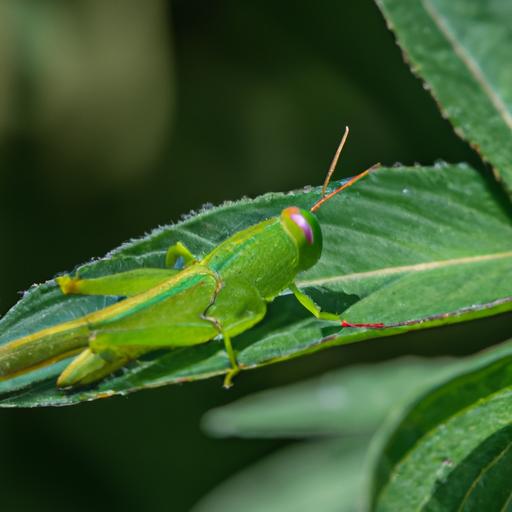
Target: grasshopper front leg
pixel 310 305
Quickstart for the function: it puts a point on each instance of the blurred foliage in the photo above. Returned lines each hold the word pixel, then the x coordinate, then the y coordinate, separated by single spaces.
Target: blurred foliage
pixel 337 415
pixel 352 401
pixel 326 475
pixel 87 86
pixel 450 447
pixel 239 98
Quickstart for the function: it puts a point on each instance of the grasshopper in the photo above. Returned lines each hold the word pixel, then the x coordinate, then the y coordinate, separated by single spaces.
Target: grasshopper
pixel 220 295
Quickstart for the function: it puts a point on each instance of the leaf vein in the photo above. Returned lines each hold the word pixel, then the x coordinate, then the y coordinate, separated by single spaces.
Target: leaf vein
pixel 484 470
pixel 418 267
pixel 470 63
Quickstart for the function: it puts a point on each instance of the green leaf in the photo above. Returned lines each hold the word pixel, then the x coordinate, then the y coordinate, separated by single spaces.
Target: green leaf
pixel 349 401
pixel 322 475
pixel 430 244
pixel 452 447
pixel 462 49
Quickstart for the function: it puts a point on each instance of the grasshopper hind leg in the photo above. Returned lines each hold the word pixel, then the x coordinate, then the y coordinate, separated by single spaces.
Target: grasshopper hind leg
pixel 89 367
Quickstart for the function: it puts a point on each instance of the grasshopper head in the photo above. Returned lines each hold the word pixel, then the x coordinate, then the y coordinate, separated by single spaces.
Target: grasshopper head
pixel 304 229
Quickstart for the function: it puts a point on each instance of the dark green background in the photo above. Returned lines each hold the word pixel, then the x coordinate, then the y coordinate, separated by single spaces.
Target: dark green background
pixel 261 93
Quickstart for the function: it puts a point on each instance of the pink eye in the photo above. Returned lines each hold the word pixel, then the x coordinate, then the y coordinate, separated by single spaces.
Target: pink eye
pixel 304 225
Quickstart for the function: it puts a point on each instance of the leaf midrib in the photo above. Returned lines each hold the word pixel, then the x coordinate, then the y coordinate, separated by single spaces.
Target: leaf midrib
pixel 417 267
pixel 408 454
pixel 470 62
pixel 481 475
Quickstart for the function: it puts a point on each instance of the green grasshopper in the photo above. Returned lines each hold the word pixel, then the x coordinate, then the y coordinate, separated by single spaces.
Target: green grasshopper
pixel 223 294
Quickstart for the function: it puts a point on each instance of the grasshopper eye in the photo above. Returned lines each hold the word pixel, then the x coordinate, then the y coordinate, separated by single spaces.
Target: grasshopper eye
pixel 304 225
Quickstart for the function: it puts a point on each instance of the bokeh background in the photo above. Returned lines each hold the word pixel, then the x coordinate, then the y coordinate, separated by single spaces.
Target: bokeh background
pixel 119 116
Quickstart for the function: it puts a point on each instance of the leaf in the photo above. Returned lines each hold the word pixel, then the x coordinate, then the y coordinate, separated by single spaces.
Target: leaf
pixel 452 447
pixel 462 49
pixel 322 475
pixel 406 244
pixel 352 401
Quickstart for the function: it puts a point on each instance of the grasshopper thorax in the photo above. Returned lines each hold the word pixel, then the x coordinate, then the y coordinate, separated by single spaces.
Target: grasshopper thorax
pixel 303 228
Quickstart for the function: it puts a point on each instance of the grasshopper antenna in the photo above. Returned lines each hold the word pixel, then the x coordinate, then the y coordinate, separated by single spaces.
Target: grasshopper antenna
pixel 345 185
pixel 334 162
pixel 331 170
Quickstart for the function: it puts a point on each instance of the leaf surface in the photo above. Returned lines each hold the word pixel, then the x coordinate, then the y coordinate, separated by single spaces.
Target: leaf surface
pixel 407 244
pixel 452 447
pixel 462 49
